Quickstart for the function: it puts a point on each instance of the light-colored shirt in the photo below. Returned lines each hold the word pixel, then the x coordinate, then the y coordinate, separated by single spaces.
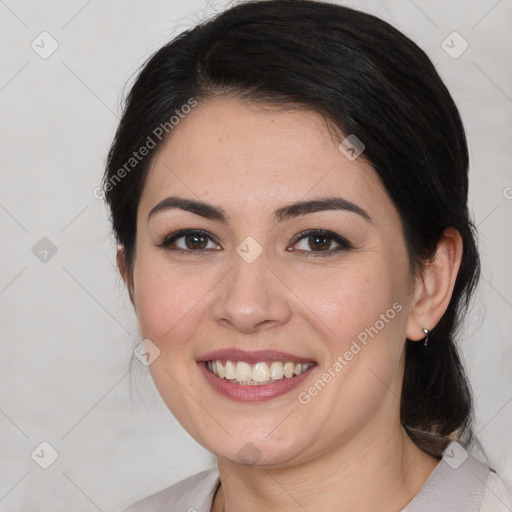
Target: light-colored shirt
pixel 459 483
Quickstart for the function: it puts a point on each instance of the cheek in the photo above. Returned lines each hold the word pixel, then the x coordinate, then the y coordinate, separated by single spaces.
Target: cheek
pixel 361 319
pixel 351 301
pixel 365 313
pixel 167 301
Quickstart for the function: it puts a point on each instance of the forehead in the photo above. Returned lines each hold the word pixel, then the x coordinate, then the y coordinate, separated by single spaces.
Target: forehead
pixel 251 157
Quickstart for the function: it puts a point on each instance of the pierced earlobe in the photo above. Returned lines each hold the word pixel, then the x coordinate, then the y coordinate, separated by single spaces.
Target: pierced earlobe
pixel 427 332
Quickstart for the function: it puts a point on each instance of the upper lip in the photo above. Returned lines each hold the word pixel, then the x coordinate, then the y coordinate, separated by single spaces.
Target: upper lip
pixel 252 356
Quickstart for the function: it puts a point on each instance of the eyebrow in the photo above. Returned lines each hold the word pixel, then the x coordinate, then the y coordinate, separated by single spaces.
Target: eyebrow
pixel 293 210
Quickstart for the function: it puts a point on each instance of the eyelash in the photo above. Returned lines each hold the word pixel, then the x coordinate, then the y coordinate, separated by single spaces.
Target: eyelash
pixel 343 243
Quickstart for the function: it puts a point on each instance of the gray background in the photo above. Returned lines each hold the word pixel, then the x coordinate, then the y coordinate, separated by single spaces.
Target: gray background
pixel 68 326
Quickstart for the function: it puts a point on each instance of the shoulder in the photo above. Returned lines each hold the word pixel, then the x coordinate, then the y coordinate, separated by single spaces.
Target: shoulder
pixel 194 494
pixel 496 496
pixel 461 482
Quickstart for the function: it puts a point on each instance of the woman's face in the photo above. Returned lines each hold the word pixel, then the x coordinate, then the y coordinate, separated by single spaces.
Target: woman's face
pixel 263 284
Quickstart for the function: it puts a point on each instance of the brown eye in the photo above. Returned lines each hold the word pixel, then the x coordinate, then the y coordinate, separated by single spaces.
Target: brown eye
pixel 195 241
pixel 189 241
pixel 320 243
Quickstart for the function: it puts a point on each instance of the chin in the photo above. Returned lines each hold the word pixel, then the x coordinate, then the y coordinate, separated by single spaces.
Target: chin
pixel 250 448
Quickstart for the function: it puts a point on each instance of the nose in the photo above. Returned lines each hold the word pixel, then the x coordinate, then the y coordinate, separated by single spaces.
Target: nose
pixel 251 297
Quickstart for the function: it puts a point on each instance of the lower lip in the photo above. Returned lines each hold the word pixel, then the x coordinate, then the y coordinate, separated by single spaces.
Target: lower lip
pixel 252 393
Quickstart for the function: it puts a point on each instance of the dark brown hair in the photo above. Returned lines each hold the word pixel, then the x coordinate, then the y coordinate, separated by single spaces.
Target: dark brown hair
pixel 369 80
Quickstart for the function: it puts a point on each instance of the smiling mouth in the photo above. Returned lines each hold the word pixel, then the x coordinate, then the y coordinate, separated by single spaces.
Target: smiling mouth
pixel 258 374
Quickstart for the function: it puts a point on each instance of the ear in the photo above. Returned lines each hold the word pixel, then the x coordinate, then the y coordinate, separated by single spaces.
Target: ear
pixel 125 274
pixel 433 290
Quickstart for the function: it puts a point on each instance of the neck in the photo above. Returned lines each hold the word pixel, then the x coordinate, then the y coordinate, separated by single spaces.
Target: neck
pixel 370 473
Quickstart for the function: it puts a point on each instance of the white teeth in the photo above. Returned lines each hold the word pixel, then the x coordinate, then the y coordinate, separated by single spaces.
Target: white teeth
pixel 221 372
pixel 276 371
pixel 288 370
pixel 259 373
pixel 229 370
pixel 243 371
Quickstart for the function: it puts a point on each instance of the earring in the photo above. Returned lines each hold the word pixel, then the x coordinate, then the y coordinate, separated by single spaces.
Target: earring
pixel 427 332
